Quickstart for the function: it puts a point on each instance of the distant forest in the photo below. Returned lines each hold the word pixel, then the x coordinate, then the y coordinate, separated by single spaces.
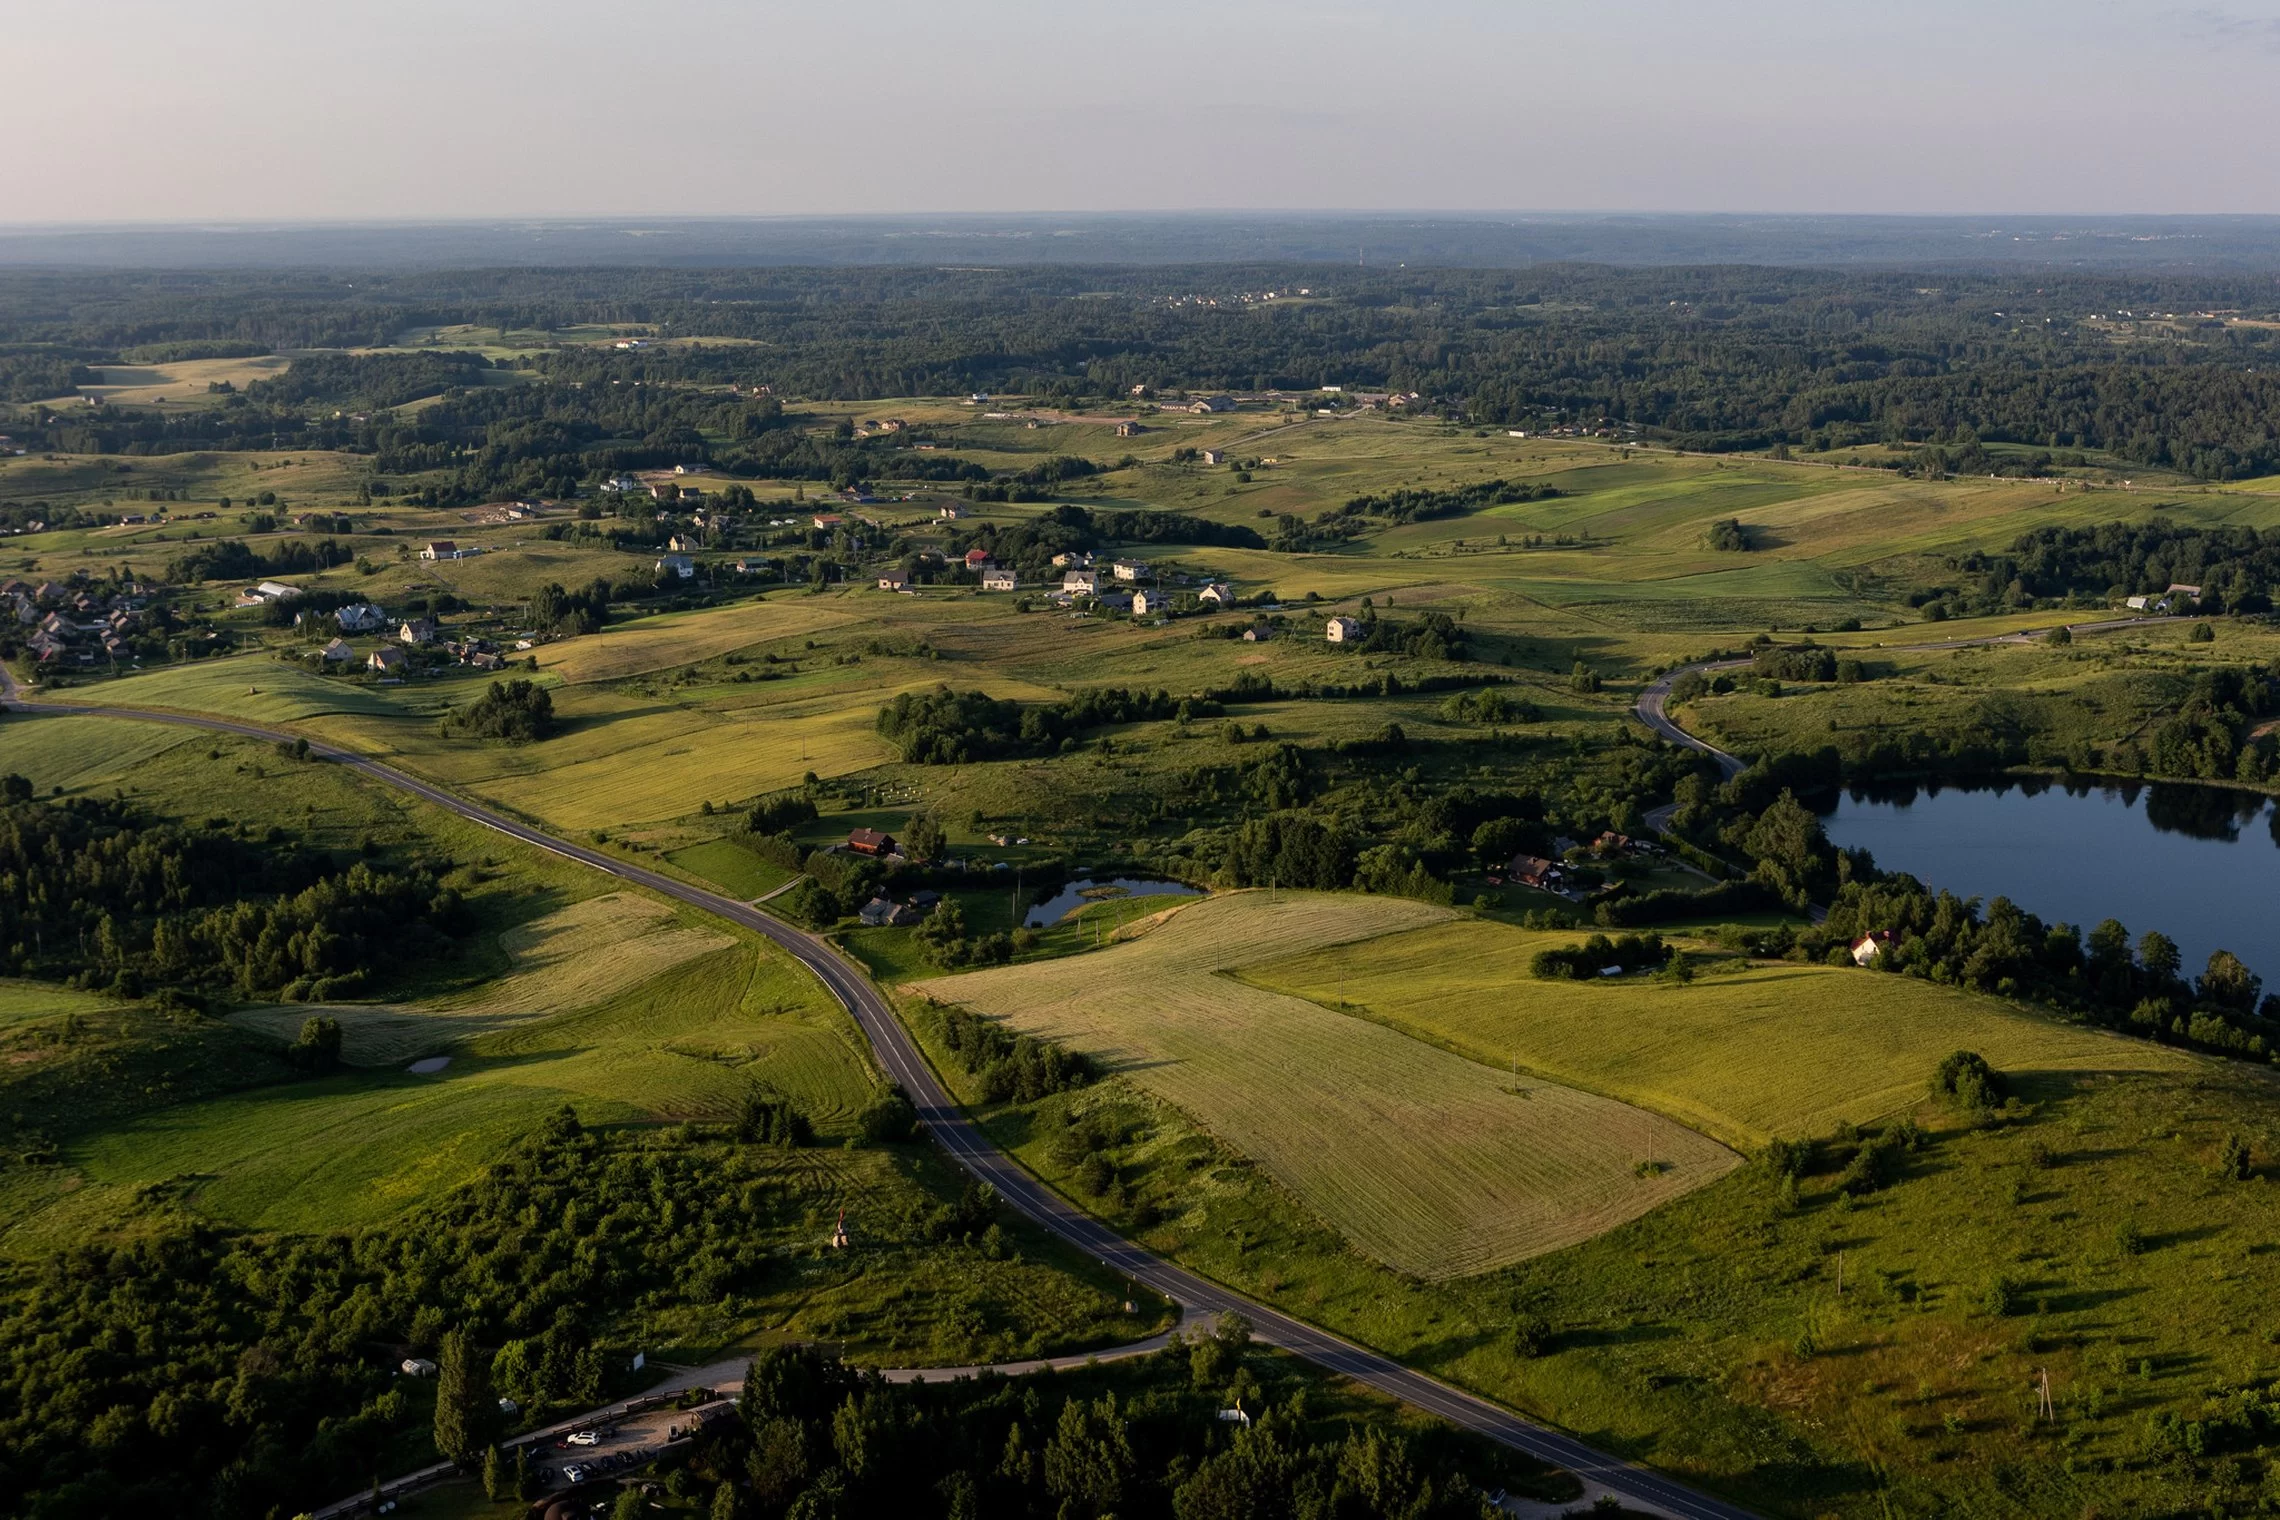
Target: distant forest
pixel 2147 369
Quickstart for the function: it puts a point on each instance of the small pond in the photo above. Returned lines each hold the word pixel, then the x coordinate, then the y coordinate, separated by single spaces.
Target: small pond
pixel 1101 889
pixel 2199 863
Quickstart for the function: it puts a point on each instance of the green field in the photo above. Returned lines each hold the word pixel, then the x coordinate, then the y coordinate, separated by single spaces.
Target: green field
pixel 1744 1053
pixel 1426 1161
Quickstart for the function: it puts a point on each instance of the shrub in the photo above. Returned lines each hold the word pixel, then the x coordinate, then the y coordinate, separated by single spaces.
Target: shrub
pixel 891 1118
pixel 1970 1081
pixel 517 711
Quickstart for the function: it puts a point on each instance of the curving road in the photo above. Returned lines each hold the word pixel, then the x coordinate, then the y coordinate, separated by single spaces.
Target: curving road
pixel 899 1056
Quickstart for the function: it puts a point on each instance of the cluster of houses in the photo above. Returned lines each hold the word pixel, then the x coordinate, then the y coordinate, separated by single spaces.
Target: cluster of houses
pixel 391 659
pixel 1552 876
pixel 883 912
pixel 76 626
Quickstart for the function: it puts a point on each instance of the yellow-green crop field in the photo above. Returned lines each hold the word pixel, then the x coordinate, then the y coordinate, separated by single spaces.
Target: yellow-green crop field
pixel 1423 1159
pixel 1741 1054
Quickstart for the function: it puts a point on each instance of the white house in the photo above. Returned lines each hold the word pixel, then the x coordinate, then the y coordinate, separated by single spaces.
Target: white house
pixel 999 580
pixel 1130 569
pixel 680 565
pixel 442 548
pixel 1151 603
pixel 1217 594
pixel 336 653
pixel 360 617
pixel 417 631
pixel 1342 630
pixel 1214 456
pixel 1080 582
pixel 893 583
pixel 1869 946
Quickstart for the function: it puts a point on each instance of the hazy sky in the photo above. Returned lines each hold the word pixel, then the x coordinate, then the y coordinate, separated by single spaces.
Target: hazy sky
pixel 134 110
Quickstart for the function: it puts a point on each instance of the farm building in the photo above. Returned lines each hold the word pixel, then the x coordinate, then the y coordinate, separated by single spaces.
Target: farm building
pixel 387 660
pixel 417 631
pixel 828 520
pixel 336 653
pixel 1129 430
pixel 1869 946
pixel 680 565
pixel 1258 634
pixel 1210 404
pixel 1129 569
pixel 1342 630
pixel 877 913
pixel 1151 603
pixel 893 583
pixel 1535 871
pixel 684 543
pixel 870 842
pixel 360 617
pixel 275 591
pixel 979 559
pixel 1214 456
pixel 1217 594
pixel 999 580
pixel 1080 582
pixel 442 548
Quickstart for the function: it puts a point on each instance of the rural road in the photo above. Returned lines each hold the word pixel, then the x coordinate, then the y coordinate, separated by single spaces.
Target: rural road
pixel 1655 698
pixel 947 1124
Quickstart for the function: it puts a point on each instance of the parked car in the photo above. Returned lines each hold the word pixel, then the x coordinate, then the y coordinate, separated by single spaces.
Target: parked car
pixel 584 1438
pixel 573 1473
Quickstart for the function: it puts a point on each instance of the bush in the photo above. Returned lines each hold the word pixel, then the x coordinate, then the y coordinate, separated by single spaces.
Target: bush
pixel 517 711
pixel 891 1119
pixel 1970 1081
pixel 2002 1297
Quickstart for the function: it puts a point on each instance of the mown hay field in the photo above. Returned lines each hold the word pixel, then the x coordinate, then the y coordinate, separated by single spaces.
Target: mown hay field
pixel 1742 1055
pixel 661 643
pixel 1420 1157
pixel 75 753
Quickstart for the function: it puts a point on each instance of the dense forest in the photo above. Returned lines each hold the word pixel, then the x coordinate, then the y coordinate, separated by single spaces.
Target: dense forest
pixel 2147 368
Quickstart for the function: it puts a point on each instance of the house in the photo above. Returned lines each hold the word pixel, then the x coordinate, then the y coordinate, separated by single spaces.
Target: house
pixel 1869 946
pixel 950 511
pixel 336 653
pixel 828 521
pixel 417 631
pixel 1151 603
pixel 1611 843
pixel 2138 603
pixel 877 913
pixel 750 566
pixel 1129 430
pixel 1535 871
pixel 870 842
pixel 890 424
pixel 442 548
pixel 1210 404
pixel 276 591
pixel 1113 601
pixel 360 617
pixel 1129 569
pixel 620 484
pixel 682 543
pixel 680 565
pixel 1080 582
pixel 1214 456
pixel 893 583
pixel 1217 594
pixel 1074 557
pixel 979 559
pixel 999 580
pixel 1342 630
pixel 387 660
pixel 417 1366
pixel 1258 633
pixel 688 469
pixel 484 659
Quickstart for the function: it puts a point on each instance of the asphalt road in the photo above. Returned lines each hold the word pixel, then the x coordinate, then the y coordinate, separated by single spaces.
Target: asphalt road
pixel 949 1127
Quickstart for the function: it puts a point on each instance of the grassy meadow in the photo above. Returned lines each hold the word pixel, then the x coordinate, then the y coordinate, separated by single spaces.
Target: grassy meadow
pixel 1746 1052
pixel 1426 1161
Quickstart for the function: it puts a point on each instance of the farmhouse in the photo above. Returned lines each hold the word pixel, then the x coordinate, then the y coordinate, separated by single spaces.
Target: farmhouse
pixel 999 580
pixel 1129 569
pixel 828 521
pixel 979 559
pixel 360 617
pixel 1869 946
pixel 1151 603
pixel 1217 594
pixel 679 565
pixel 442 548
pixel 950 511
pixel 1258 633
pixel 1080 582
pixel 870 842
pixel 1129 430
pixel 1210 404
pixel 1214 456
pixel 877 913
pixel 751 566
pixel 416 631
pixel 683 543
pixel 1342 630
pixel 1114 601
pixel 1535 871
pixel 387 660
pixel 893 583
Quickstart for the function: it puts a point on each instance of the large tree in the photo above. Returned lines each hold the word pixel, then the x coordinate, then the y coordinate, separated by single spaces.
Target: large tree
pixel 463 1404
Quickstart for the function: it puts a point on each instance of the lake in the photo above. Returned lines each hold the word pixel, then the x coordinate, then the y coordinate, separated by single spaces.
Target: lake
pixel 2199 863
pixel 1102 889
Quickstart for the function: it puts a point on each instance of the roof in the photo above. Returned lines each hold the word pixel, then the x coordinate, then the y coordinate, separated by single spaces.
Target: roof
pixel 869 838
pixel 442 546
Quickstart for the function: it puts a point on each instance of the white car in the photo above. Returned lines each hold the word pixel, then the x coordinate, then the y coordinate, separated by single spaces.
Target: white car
pixel 584 1438
pixel 573 1473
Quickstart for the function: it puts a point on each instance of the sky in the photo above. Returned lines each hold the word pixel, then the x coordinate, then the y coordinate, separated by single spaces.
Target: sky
pixel 282 109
